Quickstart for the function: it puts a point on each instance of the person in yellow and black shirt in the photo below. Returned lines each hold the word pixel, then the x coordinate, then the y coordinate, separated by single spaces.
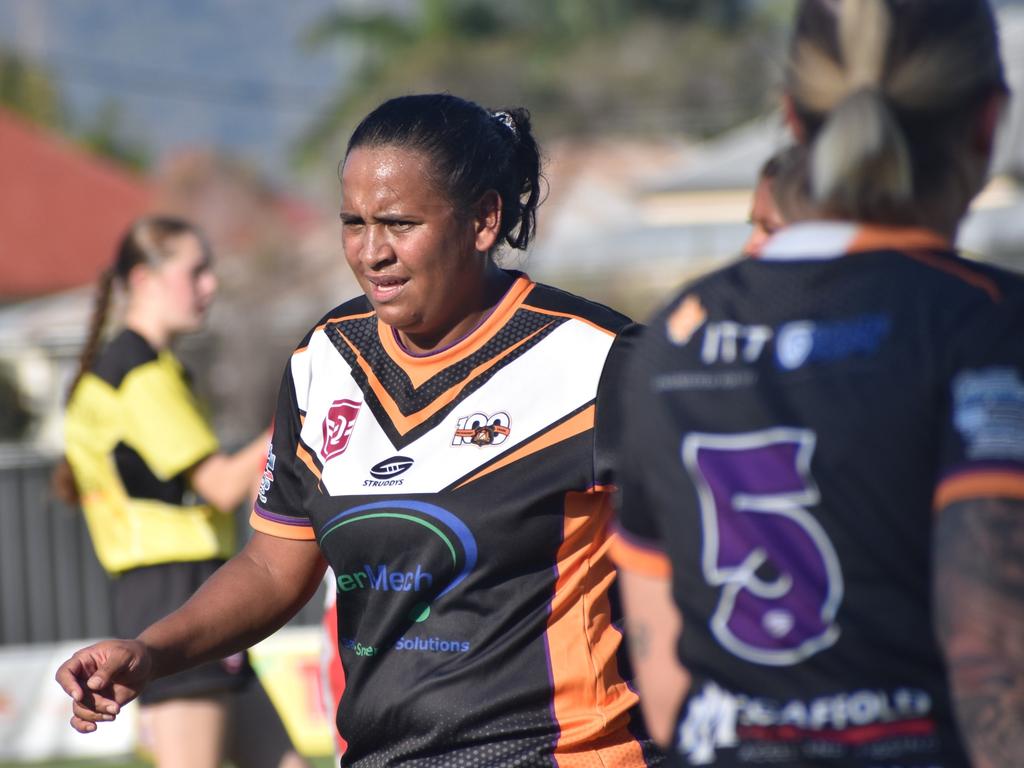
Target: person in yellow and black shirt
pixel 445 442
pixel 158 494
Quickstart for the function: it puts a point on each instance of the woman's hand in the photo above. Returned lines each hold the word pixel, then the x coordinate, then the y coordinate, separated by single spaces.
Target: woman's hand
pixel 103 678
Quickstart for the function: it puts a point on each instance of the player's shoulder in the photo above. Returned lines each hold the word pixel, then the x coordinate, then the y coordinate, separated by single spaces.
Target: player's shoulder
pixel 358 307
pixel 687 308
pixel 956 277
pixel 547 298
pixel 122 355
pixel 1009 284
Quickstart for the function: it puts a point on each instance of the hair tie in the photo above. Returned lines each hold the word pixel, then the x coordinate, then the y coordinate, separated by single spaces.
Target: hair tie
pixel 506 119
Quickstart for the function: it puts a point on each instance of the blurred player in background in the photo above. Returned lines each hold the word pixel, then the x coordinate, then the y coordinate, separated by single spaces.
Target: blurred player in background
pixel 823 500
pixel 765 217
pixel 159 495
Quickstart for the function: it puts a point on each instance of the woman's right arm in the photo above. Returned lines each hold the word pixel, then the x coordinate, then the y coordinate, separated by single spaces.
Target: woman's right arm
pixel 247 599
pixel 978 592
pixel 653 626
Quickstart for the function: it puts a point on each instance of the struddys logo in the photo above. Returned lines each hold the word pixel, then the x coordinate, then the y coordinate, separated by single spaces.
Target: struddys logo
pixel 337 427
pixel 385 473
pixel 480 430
pixel 431 552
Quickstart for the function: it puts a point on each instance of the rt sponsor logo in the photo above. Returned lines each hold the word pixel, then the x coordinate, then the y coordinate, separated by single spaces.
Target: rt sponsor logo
pixel 796 343
pixel 803 342
pixel 718 719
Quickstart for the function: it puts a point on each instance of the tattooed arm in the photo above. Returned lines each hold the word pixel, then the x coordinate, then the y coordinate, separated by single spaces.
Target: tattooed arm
pixel 979 613
pixel 653 624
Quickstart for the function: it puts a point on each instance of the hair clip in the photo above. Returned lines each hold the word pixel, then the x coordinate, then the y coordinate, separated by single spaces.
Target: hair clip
pixel 506 119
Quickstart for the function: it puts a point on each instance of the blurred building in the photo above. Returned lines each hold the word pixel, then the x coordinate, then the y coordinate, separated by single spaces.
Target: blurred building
pixel 62 212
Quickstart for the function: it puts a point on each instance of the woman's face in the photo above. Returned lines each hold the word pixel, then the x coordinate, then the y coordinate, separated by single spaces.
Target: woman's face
pixel 421 263
pixel 182 287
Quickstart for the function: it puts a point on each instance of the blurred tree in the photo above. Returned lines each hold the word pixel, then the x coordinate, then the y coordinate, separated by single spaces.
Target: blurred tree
pixel 104 137
pixel 29 91
pixel 581 66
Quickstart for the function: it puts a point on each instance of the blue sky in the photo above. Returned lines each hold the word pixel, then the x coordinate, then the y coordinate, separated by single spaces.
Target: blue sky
pixel 223 73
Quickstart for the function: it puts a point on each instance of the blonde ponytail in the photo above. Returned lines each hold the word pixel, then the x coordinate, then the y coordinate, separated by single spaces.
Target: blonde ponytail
pixel 886 93
pixel 860 162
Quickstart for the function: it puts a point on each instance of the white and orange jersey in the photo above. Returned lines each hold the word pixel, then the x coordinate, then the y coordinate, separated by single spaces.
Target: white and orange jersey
pixel 462 500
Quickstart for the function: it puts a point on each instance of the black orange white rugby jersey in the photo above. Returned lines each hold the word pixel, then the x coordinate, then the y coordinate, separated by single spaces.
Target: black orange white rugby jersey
pixel 792 423
pixel 461 499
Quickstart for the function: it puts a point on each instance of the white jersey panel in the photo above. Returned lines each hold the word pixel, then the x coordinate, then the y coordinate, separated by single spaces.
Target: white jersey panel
pixel 518 402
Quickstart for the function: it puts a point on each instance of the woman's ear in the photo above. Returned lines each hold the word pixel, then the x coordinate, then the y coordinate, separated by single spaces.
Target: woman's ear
pixel 792 119
pixel 987 121
pixel 487 221
pixel 138 277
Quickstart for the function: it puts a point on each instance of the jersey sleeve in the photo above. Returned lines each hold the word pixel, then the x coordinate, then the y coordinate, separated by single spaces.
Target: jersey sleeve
pixel 163 420
pixel 637 541
pixel 982 438
pixel 278 509
pixel 608 412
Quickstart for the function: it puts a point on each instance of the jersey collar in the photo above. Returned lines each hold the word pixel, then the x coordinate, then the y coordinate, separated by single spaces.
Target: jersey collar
pixel 824 240
pixel 469 343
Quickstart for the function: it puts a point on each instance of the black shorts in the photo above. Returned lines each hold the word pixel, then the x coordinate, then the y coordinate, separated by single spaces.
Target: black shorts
pixel 144 595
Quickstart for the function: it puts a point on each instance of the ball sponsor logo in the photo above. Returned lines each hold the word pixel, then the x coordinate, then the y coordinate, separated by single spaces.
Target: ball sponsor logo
pixel 396 465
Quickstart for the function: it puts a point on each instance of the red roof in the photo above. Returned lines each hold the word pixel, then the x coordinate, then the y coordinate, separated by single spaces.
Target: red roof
pixel 62 211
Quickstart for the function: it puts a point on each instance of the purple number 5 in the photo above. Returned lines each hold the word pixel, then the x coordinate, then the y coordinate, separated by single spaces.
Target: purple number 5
pixel 780 577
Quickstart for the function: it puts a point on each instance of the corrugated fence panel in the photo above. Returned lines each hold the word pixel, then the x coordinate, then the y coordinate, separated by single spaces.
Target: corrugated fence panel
pixel 13 600
pixel 52 587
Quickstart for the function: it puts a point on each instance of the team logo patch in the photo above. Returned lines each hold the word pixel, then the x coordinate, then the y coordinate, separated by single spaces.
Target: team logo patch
pixel 338 426
pixel 388 468
pixel 479 429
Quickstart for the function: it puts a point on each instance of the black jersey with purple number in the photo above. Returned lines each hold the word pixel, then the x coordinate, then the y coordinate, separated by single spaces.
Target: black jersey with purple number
pixel 462 500
pixel 792 421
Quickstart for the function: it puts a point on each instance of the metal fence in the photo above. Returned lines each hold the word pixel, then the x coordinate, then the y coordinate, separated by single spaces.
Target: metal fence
pixel 51 584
